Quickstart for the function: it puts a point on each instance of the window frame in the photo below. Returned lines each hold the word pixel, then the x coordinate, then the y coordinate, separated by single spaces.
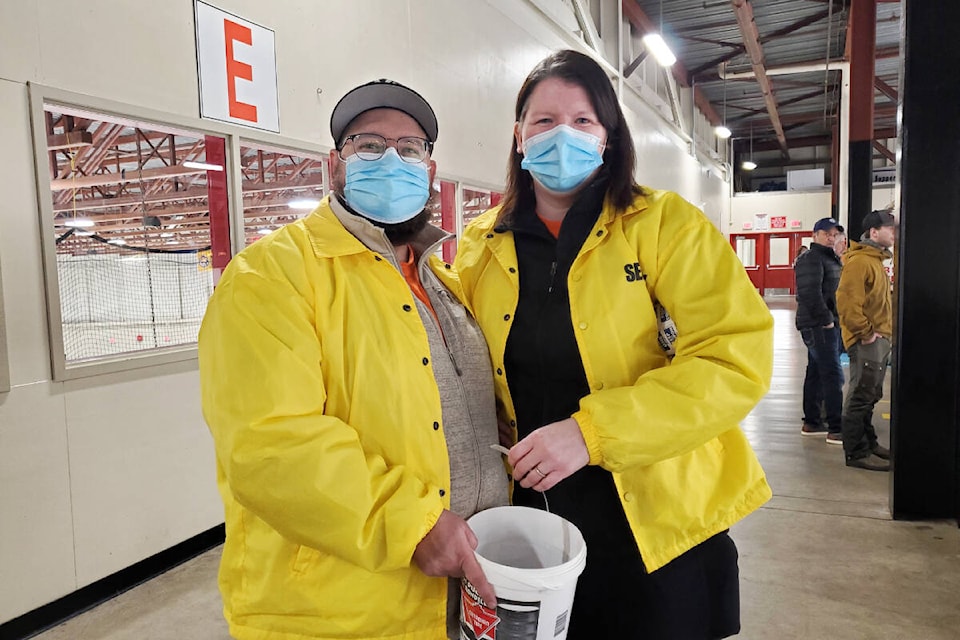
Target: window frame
pixel 41 96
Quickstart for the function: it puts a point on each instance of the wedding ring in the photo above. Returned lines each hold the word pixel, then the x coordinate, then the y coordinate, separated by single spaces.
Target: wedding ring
pixel 537 469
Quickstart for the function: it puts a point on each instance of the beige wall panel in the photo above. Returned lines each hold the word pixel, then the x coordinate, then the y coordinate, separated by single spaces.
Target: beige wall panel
pixel 140 53
pixel 36 537
pixel 20 57
pixel 141 469
pixel 23 291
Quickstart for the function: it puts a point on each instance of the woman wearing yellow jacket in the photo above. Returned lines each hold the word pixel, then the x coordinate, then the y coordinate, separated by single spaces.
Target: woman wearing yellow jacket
pixel 640 449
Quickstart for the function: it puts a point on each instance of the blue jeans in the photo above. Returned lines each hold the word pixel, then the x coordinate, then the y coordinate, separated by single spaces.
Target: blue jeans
pixel 868 367
pixel 823 383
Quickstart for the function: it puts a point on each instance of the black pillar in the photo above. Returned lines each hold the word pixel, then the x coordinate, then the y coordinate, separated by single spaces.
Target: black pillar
pixel 861 42
pixel 860 186
pixel 926 399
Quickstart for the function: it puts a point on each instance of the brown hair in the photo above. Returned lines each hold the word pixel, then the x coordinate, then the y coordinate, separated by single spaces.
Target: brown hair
pixel 619 158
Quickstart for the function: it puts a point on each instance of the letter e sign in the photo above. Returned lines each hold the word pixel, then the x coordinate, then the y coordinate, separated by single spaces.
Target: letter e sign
pixel 237 67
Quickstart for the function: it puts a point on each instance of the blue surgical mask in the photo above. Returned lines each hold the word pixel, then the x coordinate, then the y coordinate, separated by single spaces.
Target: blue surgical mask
pixel 562 158
pixel 387 189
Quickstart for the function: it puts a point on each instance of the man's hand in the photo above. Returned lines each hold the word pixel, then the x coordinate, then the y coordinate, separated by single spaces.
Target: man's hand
pixel 548 455
pixel 828 326
pixel 871 339
pixel 447 551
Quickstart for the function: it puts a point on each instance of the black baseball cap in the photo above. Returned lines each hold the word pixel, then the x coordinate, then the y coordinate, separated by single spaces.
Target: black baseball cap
pixel 877 219
pixel 381 94
pixel 825 224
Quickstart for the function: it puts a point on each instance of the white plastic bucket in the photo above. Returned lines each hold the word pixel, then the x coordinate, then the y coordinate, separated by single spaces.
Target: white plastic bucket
pixel 533 559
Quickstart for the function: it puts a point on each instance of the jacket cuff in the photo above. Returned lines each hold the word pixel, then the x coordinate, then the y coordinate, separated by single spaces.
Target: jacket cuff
pixel 590 436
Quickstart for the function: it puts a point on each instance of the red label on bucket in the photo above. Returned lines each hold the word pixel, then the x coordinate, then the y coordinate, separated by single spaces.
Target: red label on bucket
pixel 479 618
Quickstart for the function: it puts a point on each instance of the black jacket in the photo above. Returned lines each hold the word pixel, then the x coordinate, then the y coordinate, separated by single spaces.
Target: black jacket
pixel 817 274
pixel 545 372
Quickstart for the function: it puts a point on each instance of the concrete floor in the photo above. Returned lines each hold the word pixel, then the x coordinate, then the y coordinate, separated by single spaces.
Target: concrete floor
pixel 822 560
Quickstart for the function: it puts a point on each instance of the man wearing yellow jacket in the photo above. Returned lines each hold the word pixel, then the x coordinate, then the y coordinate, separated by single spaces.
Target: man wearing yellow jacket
pixel 350 398
pixel 866 324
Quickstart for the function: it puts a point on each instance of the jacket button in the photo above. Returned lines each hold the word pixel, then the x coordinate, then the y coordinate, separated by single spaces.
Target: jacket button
pixel 442 493
pixel 377 258
pixel 513 423
pixel 598 386
pixel 426 361
pixel 583 325
pixel 447 265
pixel 489 235
pixel 628 497
pixel 512 270
pixel 599 233
pixel 506 317
pixel 576 277
pixel 436 426
pixel 407 307
pixel 499 371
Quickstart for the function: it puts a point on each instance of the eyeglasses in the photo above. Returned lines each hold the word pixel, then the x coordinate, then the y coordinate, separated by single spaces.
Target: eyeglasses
pixel 370 146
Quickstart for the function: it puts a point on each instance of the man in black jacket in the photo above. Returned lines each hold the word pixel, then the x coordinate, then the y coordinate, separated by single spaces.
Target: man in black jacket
pixel 818 273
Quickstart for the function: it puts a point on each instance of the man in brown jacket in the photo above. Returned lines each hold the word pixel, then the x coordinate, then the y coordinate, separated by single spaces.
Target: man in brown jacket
pixel 866 324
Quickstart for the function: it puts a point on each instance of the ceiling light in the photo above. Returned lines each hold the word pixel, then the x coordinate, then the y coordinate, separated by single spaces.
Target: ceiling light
pixel 190 164
pixel 264 232
pixel 303 204
pixel 78 223
pixel 656 45
pixel 119 241
pixel 749 165
pixel 83 234
pixel 722 132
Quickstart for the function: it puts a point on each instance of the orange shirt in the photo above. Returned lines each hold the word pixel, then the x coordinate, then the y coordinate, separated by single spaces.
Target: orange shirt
pixel 553 226
pixel 409 269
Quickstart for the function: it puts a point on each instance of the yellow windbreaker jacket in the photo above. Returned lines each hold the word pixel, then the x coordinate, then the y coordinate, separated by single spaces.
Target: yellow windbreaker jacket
pixel 666 428
pixel 330 458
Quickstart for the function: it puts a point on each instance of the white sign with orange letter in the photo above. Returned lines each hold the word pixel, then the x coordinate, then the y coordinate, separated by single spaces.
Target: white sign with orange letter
pixel 237 65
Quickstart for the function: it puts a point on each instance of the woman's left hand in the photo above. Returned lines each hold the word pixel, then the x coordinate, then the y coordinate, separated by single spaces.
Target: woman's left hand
pixel 548 455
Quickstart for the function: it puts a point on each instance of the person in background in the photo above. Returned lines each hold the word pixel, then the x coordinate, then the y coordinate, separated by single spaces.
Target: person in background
pixel 640 450
pixel 817 274
pixel 840 244
pixel 866 320
pixel 802 250
pixel 351 402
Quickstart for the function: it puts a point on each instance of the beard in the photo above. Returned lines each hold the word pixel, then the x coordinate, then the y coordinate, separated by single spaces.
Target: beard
pixel 397 232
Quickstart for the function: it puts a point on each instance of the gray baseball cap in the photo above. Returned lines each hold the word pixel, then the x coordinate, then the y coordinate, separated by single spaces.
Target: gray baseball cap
pixel 381 94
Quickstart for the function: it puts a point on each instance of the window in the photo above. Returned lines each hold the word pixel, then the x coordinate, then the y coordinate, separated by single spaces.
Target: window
pixel 136 212
pixel 279 187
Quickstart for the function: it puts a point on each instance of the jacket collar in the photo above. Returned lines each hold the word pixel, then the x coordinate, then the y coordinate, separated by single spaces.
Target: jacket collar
pixel 868 247
pixel 335 231
pixel 826 251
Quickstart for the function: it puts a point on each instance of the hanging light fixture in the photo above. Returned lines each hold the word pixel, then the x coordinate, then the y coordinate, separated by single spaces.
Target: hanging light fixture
pixel 657 46
pixel 749 164
pixel 721 130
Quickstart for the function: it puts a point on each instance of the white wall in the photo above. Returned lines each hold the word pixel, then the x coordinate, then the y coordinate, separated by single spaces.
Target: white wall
pixel 101 472
pixel 807 206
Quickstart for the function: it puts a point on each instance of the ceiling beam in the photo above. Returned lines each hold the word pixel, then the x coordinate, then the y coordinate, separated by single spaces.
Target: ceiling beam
pixel 751 40
pixel 643 24
pixel 886 89
pixel 70 140
pixel 198 193
pixel 126 175
pixel 884 151
pixel 742 144
pixel 779 33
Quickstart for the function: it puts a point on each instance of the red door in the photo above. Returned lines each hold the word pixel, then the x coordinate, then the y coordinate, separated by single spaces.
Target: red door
pixel 768 259
pixel 780 251
pixel 751 249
